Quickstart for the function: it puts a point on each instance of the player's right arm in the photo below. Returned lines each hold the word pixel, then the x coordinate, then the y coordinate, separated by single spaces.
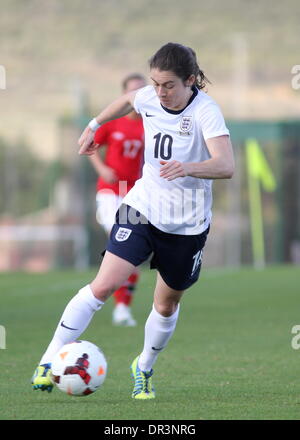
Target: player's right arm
pixel 118 108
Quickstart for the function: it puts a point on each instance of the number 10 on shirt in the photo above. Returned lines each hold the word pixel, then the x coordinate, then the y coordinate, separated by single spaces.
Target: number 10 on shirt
pixel 163 146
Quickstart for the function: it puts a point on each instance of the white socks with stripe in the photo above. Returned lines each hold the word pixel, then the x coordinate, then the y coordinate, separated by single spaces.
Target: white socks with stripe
pixel 79 313
pixel 75 319
pixel 158 331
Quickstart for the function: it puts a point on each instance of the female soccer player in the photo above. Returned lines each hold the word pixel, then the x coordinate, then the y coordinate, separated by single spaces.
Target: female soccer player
pixel 122 166
pixel 166 213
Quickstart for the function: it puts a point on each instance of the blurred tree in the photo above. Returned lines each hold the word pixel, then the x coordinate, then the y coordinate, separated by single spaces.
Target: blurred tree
pixel 25 179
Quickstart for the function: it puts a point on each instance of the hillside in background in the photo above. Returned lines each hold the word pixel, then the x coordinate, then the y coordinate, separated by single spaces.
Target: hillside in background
pixel 53 51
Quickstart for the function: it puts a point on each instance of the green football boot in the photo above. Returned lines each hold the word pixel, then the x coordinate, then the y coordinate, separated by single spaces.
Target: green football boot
pixel 42 378
pixel 143 389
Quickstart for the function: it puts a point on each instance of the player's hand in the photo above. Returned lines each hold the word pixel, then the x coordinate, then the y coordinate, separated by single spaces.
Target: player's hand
pixel 108 174
pixel 173 169
pixel 86 142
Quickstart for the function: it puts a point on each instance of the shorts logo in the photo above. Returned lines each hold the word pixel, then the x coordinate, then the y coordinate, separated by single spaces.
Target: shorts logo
pixel 197 261
pixel 186 124
pixel 122 234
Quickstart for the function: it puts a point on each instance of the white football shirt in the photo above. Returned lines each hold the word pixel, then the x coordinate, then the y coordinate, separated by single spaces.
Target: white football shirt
pixel 183 205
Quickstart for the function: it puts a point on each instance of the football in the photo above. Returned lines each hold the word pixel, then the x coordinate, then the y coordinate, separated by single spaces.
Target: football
pixel 79 368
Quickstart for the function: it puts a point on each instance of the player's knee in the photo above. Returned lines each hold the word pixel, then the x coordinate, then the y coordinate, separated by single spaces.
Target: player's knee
pixel 166 309
pixel 103 291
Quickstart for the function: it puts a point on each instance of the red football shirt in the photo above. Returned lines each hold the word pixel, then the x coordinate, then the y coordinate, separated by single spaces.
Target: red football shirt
pixel 124 138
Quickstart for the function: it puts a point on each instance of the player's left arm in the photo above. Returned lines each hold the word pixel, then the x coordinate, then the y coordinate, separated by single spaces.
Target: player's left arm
pixel 220 165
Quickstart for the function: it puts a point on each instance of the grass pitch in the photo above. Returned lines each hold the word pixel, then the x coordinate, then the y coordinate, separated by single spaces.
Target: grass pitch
pixel 230 357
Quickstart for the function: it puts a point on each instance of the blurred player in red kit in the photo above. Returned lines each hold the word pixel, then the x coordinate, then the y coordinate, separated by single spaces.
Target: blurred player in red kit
pixel 121 167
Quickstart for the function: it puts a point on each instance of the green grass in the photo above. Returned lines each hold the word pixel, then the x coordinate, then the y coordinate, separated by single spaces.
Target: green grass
pixel 230 357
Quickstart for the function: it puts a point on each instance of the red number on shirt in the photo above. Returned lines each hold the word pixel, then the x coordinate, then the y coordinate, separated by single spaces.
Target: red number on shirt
pixel 131 147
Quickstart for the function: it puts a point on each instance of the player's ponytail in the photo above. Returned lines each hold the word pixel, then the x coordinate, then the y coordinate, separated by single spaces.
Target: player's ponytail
pixel 181 60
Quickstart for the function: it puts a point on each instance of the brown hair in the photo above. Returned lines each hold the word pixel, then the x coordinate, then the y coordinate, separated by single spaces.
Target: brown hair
pixel 181 60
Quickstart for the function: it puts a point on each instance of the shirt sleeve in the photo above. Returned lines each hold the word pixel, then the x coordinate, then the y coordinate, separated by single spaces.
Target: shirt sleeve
pixel 141 96
pixel 212 121
pixel 137 101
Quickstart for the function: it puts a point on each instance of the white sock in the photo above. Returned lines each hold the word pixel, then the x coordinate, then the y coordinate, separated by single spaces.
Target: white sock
pixel 75 319
pixel 158 331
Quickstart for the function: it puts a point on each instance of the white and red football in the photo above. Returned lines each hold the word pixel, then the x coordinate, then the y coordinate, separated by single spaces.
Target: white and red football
pixel 79 368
